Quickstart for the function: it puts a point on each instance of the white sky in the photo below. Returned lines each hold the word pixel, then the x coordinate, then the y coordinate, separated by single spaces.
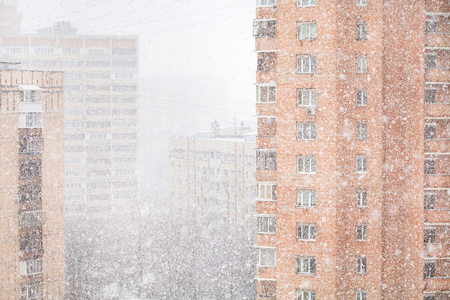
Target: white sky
pixel 186 38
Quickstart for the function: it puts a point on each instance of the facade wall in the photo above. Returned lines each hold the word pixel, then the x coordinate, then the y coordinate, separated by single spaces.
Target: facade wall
pixel 32 206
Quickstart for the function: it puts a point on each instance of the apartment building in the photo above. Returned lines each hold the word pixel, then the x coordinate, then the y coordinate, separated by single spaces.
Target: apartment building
pixel 32 185
pixel 9 17
pixel 212 175
pixel 100 85
pixel 353 149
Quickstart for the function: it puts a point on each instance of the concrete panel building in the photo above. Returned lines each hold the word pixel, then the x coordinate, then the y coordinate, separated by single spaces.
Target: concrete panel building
pixel 353 123
pixel 212 175
pixel 101 82
pixel 32 185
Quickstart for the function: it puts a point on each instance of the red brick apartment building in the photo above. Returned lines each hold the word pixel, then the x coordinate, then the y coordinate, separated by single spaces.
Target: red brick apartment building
pixel 32 242
pixel 353 149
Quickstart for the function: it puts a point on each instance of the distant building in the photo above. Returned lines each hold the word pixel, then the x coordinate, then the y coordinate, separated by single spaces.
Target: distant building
pixel 9 18
pixel 212 175
pixel 354 136
pixel 100 85
pixel 32 185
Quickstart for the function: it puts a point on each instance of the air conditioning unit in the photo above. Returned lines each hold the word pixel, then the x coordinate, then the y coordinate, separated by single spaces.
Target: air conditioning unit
pixel 311 110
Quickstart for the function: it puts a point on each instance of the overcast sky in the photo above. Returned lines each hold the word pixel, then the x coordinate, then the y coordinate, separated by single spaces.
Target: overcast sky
pixel 187 38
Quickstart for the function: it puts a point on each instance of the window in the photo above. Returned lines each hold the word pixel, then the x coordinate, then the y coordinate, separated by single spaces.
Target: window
pixel 29 193
pixel 31 219
pixel 31 267
pixel 429 268
pixel 430 131
pixel 266 224
pixel 306 31
pixel 361 131
pixel 32 292
pixel 361 98
pixel 267 191
pixel 306 265
pixel 31 242
pixel 361 295
pixel 361 64
pixel 430 61
pixel 361 2
pixel 361 232
pixel 306 164
pixel 266 61
pixel 30 120
pixel 306 198
pixel 266 93
pixel 306 64
pixel 30 168
pixel 306 131
pixel 306 97
pixel 306 3
pixel 266 257
pixel 429 199
pixel 430 95
pixel 361 198
pixel 267 289
pixel 32 96
pixel 262 3
pixel 430 26
pixel 429 297
pixel 361 265
pixel 429 235
pixel 430 166
pixel 361 164
pixel 306 232
pixel 361 31
pixel 31 144
pixel 306 295
pixel 265 28
pixel 266 159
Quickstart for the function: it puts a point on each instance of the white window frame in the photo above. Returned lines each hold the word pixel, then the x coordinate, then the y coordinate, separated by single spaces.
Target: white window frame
pixel 361 295
pixel 306 64
pixel 361 164
pixel 306 232
pixel 361 2
pixel 306 294
pixel 31 267
pixel 309 164
pixel 30 120
pixel 361 31
pixel 361 97
pixel 266 3
pixel 304 265
pixel 267 191
pixel 306 3
pixel 361 198
pixel 267 166
pixel 306 198
pixel 306 31
pixel 361 232
pixel 307 97
pixel 361 265
pixel 260 252
pixel 266 224
pixel 32 292
pixel 361 130
pixel 306 131
pixel 270 89
pixel 361 64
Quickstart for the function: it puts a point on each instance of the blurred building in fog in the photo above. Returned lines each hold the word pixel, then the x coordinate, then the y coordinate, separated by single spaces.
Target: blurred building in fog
pixel 100 85
pixel 9 17
pixel 32 185
pixel 212 175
